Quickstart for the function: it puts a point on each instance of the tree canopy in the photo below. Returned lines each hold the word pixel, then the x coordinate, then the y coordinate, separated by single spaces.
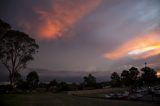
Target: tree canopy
pixel 115 79
pixel 32 80
pixel 16 50
pixel 148 76
pixel 89 80
pixel 4 27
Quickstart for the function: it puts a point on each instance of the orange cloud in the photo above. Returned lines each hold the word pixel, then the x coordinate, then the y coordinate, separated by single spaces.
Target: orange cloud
pixel 59 17
pixel 138 48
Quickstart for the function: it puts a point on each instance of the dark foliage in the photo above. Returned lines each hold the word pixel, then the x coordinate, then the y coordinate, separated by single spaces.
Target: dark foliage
pixel 115 80
pixel 62 86
pixel 32 80
pixel 4 27
pixel 89 81
pixel 148 76
pixel 16 50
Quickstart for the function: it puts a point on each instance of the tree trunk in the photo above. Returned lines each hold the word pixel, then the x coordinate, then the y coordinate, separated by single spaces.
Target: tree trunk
pixel 11 78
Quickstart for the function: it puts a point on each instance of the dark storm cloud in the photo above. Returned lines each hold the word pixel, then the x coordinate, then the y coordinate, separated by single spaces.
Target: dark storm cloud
pixel 82 47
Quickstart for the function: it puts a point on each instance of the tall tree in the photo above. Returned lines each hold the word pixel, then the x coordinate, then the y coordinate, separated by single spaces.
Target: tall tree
pixel 148 76
pixel 16 50
pixel 133 75
pixel 115 79
pixel 130 77
pixel 125 77
pixel 32 80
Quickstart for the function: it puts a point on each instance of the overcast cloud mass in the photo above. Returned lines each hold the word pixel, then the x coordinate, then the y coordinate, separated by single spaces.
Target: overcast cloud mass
pixel 77 37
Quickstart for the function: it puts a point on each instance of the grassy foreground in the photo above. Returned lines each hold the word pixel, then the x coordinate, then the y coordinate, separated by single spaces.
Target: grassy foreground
pixel 49 99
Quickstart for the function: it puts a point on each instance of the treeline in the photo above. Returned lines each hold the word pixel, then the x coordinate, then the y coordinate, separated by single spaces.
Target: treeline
pixel 135 77
pixel 31 83
pixel 132 78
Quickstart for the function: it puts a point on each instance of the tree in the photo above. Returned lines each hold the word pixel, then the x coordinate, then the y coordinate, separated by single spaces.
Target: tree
pixel 32 80
pixel 16 50
pixel 17 77
pixel 148 76
pixel 90 80
pixel 130 77
pixel 4 27
pixel 133 75
pixel 115 79
pixel 52 85
pixel 125 77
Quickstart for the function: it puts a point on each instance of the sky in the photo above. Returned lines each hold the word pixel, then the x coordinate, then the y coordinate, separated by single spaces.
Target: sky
pixel 78 37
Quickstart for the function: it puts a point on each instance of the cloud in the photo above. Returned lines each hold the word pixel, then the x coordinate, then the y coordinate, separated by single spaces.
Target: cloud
pixel 141 47
pixel 52 21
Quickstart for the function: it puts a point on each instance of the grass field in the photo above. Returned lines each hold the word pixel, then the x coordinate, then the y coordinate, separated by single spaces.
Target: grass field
pixel 50 99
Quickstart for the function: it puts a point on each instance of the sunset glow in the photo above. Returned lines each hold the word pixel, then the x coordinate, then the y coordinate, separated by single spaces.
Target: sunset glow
pixel 143 50
pixel 158 74
pixel 138 48
pixel 59 18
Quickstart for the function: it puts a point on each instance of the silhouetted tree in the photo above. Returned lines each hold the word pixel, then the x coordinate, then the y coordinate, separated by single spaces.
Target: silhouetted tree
pixel 115 79
pixel 148 76
pixel 52 85
pixel 17 77
pixel 130 78
pixel 133 75
pixel 16 50
pixel 4 27
pixel 125 77
pixel 32 80
pixel 90 80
